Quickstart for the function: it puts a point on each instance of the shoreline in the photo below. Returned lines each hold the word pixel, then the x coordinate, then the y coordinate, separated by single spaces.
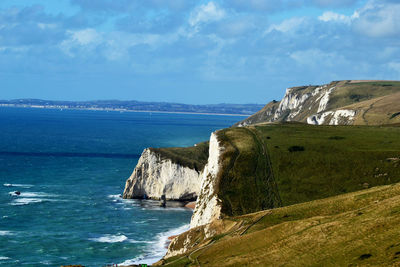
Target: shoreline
pixel 160 247
pixel 125 110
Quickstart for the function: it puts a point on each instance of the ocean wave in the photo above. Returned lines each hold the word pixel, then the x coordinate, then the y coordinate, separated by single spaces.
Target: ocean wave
pixel 115 196
pixel 26 201
pixel 110 239
pixel 6 233
pixel 157 250
pixel 141 242
pixel 166 209
pixel 32 194
pixel 18 185
pixel 4 258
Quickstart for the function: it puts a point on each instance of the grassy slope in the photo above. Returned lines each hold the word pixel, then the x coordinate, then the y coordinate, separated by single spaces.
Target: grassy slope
pixel 246 182
pixel 194 157
pixel 335 160
pixel 348 92
pixel 380 110
pixel 336 230
pixel 359 228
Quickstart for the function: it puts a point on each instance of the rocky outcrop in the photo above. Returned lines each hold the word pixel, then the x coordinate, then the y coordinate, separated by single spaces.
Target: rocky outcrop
pixel 298 104
pixel 155 176
pixel 208 205
pixel 337 117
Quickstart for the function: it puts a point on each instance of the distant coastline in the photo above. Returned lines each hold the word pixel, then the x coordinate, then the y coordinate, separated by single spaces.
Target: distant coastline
pixel 125 110
pixel 137 106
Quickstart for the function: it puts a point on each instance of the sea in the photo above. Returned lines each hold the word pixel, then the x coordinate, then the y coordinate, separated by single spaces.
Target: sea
pixel 70 167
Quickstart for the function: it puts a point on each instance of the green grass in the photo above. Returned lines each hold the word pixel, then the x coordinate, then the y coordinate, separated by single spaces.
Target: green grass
pixel 327 218
pixel 353 229
pixel 246 182
pixel 194 157
pixel 267 166
pixel 335 160
pixel 350 93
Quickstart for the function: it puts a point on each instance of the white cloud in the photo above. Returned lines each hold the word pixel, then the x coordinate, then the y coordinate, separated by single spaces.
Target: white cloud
pixel 379 20
pixel 286 25
pixel 206 13
pixel 332 16
pixel 84 39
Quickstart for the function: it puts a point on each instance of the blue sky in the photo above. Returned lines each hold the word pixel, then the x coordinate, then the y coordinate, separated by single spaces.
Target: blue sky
pixel 236 51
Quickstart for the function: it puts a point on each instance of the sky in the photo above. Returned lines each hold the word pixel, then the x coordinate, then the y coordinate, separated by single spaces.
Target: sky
pixel 195 52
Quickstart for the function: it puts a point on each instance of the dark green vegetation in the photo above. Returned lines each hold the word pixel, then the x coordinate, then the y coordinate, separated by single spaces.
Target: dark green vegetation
pixel 246 181
pixel 354 229
pixel 194 157
pixel 308 162
pixel 240 109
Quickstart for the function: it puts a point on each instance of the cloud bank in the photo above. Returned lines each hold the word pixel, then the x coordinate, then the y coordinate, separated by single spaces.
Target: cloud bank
pixel 194 51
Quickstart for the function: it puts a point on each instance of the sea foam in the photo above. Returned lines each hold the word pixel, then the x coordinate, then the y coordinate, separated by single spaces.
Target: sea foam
pixel 158 248
pixel 32 194
pixel 26 201
pixel 110 239
pixel 5 233
pixel 18 185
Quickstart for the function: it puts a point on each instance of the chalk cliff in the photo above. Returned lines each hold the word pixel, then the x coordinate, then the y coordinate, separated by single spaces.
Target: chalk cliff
pixel 155 176
pixel 208 205
pixel 337 103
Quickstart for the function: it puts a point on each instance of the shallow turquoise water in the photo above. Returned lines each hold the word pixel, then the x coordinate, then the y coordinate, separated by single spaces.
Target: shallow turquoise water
pixel 70 167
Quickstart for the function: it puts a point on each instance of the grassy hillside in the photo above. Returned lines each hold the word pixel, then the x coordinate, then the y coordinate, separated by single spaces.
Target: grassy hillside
pixel 349 92
pixel 334 191
pixel 354 229
pixel 267 166
pixel 246 182
pixel 194 157
pixel 380 110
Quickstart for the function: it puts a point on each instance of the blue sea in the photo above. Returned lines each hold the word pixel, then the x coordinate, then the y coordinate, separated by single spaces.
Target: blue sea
pixel 70 167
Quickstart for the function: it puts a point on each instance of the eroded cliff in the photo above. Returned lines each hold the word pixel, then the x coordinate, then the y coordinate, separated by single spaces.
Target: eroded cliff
pixel 336 103
pixel 157 174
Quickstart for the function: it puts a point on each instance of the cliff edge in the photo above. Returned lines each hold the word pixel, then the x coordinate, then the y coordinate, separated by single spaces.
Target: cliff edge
pixel 173 172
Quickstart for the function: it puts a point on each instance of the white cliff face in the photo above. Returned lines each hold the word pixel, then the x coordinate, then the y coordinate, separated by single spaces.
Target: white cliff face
pixel 337 117
pixel 318 119
pixel 324 99
pixel 304 104
pixel 208 206
pixel 342 116
pixel 291 101
pixel 154 177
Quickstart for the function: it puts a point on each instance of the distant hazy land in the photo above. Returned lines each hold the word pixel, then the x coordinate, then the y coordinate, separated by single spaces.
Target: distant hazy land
pixel 117 105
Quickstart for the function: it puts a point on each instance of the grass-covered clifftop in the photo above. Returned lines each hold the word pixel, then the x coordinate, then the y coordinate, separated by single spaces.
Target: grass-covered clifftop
pixel 194 157
pixel 354 229
pixel 266 166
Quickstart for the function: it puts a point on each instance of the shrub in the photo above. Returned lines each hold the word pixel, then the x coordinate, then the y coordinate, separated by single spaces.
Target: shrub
pixel 336 137
pixel 394 115
pixel 296 148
